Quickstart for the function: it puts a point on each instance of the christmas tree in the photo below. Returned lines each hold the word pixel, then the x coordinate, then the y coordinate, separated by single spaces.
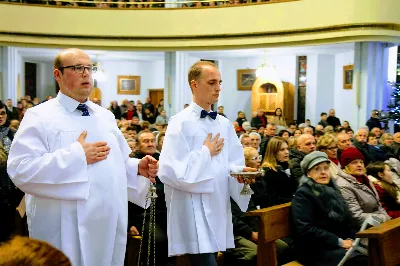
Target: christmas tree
pixel 394 103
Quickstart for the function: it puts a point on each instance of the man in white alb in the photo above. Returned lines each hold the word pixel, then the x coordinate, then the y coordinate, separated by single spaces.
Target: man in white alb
pixel 73 163
pixel 200 150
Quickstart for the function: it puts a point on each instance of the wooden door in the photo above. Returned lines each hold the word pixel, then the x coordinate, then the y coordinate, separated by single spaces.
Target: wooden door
pixel 156 95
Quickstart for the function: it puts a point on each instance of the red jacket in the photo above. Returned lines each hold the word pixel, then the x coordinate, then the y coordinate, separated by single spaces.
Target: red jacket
pixel 388 202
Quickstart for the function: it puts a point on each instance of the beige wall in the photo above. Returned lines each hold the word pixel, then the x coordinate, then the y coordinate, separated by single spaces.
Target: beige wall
pixel 263 25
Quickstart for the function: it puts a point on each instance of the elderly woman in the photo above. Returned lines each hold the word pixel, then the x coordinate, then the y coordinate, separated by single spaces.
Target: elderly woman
pixel 245 229
pixel 359 193
pixel 321 217
pixel 328 145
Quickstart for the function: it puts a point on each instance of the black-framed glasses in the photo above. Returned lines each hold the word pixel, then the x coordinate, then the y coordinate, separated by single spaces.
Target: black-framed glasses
pixel 80 69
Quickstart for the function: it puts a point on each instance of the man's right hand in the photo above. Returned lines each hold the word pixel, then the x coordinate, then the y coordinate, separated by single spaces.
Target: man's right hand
pixel 95 151
pixel 133 231
pixel 215 146
pixel 254 237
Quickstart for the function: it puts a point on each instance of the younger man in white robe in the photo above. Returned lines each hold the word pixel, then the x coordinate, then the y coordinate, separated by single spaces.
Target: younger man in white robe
pixel 200 150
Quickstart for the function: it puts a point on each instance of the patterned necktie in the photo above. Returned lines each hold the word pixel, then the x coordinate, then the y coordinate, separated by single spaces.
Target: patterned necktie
pixel 84 108
pixel 204 113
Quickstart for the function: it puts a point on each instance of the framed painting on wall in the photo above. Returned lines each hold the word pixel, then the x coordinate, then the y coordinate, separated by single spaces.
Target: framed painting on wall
pixel 245 79
pixel 128 85
pixel 348 77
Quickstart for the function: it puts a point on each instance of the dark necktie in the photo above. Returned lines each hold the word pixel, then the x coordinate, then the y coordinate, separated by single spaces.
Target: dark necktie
pixel 84 108
pixel 204 113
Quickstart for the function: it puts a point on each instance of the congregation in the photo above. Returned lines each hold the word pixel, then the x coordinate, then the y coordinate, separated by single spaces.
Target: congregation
pixel 135 3
pixel 360 171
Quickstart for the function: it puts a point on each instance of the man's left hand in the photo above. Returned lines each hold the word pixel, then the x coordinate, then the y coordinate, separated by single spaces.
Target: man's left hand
pixel 148 167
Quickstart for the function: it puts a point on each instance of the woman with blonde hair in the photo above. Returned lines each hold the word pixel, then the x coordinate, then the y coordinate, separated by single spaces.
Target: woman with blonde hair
pixel 328 144
pixel 276 186
pixel 252 157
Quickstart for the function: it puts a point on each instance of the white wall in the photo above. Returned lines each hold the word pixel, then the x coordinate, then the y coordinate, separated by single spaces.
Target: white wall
pixel 320 86
pixel 344 101
pixel 151 77
pixel 234 100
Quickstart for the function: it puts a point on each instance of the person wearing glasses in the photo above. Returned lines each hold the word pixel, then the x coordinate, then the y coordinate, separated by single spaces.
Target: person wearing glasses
pixel 328 145
pixel 72 161
pixel 10 196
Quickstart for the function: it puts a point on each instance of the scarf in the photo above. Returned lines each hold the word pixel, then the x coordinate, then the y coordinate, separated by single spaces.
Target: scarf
pixel 330 197
pixel 334 160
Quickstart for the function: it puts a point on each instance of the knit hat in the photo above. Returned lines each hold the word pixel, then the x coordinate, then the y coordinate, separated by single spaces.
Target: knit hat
pixel 350 154
pixel 312 159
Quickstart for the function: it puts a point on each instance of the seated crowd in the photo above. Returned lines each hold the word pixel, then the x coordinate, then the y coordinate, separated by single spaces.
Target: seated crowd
pixel 136 3
pixel 335 178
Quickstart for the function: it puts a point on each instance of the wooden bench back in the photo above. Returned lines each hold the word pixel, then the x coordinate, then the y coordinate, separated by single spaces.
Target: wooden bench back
pixel 383 243
pixel 274 224
pixel 276 219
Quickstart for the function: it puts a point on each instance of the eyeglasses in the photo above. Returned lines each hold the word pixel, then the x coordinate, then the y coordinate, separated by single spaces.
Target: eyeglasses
pixel 80 69
pixel 257 158
pixel 3 113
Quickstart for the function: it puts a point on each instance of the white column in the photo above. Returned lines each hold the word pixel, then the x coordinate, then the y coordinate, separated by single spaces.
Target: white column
pixel 9 73
pixel 371 61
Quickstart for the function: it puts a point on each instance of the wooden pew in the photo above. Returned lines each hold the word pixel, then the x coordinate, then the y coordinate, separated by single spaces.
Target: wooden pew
pixel 383 243
pixel 274 224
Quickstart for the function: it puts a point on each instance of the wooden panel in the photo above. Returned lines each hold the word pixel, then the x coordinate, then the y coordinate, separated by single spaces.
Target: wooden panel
pixel 383 243
pixel 288 101
pixel 156 95
pixel 263 102
pixel 383 229
pixel 276 219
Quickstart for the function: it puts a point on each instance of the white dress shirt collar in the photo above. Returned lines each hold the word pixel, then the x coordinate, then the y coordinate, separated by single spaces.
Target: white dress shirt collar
pixel 71 104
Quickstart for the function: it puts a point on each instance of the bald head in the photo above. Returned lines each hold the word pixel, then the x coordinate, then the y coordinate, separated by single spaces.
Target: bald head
pixel 306 143
pixel 73 72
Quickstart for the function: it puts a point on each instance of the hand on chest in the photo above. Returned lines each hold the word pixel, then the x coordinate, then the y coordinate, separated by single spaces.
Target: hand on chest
pixel 196 133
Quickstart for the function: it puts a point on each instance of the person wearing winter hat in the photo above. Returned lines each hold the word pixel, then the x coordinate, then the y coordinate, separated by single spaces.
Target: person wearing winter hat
pixel 321 217
pixel 359 193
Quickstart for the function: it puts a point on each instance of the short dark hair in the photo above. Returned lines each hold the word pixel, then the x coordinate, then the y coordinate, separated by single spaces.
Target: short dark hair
pixel 323 113
pixel 220 106
pixel 280 134
pixel 292 124
pixel 349 129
